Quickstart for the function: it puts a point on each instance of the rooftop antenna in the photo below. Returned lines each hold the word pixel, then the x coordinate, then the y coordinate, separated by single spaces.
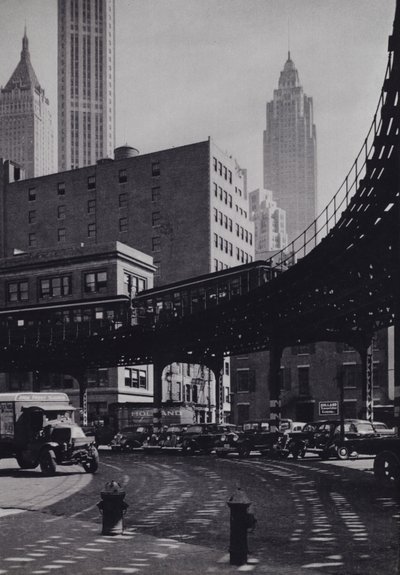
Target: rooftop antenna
pixel 288 37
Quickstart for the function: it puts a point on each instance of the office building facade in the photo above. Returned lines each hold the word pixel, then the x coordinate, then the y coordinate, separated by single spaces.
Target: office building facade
pixel 26 129
pixel 290 152
pixel 85 82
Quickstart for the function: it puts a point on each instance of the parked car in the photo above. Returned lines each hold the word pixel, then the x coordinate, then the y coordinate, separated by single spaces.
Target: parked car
pixel 324 438
pixel 130 437
pixel 382 429
pixel 167 439
pixel 202 437
pixel 255 436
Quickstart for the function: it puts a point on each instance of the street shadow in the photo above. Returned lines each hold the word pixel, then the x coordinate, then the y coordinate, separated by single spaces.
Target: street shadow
pixel 29 473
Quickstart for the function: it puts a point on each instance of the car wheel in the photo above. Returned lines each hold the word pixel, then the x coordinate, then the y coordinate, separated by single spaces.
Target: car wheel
pixel 47 462
pixel 244 451
pixel 387 468
pixel 187 449
pixel 342 453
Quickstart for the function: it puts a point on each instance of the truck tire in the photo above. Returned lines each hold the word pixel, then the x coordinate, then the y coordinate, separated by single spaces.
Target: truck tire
pixel 47 462
pixel 387 468
pixel 24 462
pixel 92 465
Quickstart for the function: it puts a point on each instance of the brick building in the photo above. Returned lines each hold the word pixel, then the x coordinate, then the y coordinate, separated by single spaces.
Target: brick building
pixel 186 207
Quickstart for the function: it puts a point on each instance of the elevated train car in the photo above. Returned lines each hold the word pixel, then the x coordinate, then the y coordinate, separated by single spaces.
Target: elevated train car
pixel 191 296
pixel 64 319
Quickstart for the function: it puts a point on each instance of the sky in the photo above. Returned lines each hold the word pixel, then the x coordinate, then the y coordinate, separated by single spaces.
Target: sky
pixel 190 69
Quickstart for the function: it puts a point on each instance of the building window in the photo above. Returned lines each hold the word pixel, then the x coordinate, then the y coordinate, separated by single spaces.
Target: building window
pixel 61 234
pixel 243 411
pixel 136 378
pixel 122 177
pixel 226 368
pixel 351 375
pixel 155 219
pixel 97 377
pixel 155 168
pixel 32 216
pixel 134 284
pixel 123 200
pixel 91 207
pixel 91 230
pixel 61 188
pixel 95 282
pixel 32 194
pixel 156 244
pixel 55 286
pixel 215 164
pixel 91 182
pixel 242 380
pixel 17 291
pixel 155 194
pixel 216 240
pixel 32 240
pixel 303 373
pixel 61 212
pixel 230 178
pixel 123 224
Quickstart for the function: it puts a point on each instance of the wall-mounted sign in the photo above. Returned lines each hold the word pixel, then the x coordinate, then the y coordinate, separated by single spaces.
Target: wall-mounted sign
pixel 329 408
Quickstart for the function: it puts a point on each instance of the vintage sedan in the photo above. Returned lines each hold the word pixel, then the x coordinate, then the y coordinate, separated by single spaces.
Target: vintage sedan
pixel 203 437
pixel 261 436
pixel 325 439
pixel 130 437
pixel 168 439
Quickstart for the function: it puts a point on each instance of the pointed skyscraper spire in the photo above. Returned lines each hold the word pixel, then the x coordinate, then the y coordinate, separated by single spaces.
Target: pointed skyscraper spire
pixel 24 74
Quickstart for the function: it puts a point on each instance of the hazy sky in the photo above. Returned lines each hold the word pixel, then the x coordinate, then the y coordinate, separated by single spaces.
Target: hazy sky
pixel 189 69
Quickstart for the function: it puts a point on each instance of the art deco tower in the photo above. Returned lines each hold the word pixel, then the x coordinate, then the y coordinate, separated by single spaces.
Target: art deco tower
pixel 26 131
pixel 85 82
pixel 290 158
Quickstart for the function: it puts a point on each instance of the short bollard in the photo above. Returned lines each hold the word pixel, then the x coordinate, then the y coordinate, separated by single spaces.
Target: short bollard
pixel 241 521
pixel 113 508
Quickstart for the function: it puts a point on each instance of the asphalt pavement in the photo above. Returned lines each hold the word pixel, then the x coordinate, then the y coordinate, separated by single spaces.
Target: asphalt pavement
pixel 36 541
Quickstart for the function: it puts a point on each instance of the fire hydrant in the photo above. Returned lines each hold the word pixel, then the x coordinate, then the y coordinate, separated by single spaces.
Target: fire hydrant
pixel 113 508
pixel 241 521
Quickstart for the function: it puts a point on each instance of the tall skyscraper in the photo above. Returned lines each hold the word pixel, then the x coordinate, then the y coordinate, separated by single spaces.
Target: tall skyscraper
pixel 85 82
pixel 26 131
pixel 290 151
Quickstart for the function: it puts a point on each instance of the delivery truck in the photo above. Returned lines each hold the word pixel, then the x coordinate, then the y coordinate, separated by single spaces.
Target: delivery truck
pixel 38 429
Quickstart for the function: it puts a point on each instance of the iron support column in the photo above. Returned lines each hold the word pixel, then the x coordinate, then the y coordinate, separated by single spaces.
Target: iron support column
pixel 367 386
pixel 158 367
pixel 217 366
pixel 275 356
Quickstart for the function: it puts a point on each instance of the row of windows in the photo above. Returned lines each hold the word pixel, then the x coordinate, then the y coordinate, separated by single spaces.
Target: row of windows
pixel 56 286
pixel 136 378
pixel 227 223
pixel 246 381
pixel 91 182
pixel 222 170
pixel 223 195
pixel 223 245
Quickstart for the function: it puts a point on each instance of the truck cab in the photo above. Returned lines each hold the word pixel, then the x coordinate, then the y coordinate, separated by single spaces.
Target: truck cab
pixel 39 429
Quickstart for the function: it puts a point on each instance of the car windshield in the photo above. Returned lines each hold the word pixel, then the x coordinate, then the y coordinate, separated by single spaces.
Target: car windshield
pixel 140 430
pixel 364 427
pixel 195 429
pixel 174 429
pixel 380 426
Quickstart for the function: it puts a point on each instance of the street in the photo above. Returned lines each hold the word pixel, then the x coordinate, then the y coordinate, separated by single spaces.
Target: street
pixel 312 516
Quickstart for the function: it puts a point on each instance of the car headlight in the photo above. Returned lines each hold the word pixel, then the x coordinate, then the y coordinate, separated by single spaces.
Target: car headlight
pixel 223 437
pixel 235 437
